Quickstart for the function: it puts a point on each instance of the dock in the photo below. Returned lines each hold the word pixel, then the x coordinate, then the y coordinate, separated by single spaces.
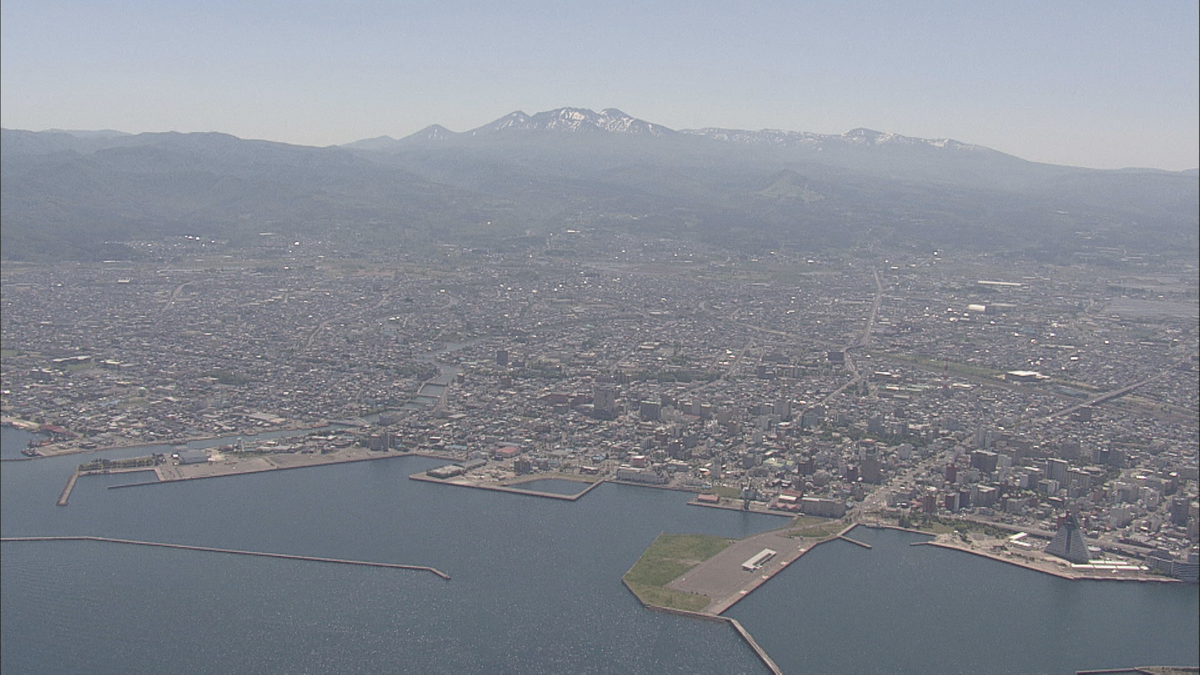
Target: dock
pixel 66 493
pixel 511 488
pixel 852 541
pixel 211 549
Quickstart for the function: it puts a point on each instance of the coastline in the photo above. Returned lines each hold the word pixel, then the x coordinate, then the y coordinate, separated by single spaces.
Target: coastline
pixel 1144 578
pixel 511 487
pixel 221 470
pixel 58 449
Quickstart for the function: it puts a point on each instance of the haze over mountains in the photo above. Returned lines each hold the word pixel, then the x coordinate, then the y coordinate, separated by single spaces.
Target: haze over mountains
pixel 509 183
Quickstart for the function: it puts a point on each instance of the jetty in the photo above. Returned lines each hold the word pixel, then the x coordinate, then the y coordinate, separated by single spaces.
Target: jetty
pixel 842 535
pixel 737 626
pixel 513 488
pixel 212 549
pixel 66 493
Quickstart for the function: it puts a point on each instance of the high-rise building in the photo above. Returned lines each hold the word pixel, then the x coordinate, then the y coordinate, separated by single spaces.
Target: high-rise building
pixel 651 410
pixel 604 399
pixel 1056 469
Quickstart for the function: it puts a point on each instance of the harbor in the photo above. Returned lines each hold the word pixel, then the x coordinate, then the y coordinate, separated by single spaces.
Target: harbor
pixel 380 515
pixel 225 465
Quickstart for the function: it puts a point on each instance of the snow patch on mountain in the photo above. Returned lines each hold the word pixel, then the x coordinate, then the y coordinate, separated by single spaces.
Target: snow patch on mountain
pixel 792 139
pixel 573 120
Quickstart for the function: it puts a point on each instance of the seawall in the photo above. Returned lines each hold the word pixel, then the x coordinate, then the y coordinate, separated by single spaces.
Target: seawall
pixel 737 626
pixel 508 488
pixel 211 549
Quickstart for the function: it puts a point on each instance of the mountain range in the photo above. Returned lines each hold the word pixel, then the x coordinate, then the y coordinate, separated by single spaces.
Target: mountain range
pixel 79 195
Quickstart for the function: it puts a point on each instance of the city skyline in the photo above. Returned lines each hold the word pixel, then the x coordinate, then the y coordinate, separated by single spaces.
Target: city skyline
pixel 1099 85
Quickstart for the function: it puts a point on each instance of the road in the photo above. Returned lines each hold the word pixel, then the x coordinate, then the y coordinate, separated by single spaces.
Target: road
pixel 1107 396
pixel 863 340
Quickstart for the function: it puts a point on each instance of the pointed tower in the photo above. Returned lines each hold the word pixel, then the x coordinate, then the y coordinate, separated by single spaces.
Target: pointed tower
pixel 1068 542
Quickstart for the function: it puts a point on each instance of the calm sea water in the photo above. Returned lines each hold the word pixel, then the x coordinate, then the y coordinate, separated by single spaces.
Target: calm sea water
pixel 536 582
pixel 557 486
pixel 536 586
pixel 897 608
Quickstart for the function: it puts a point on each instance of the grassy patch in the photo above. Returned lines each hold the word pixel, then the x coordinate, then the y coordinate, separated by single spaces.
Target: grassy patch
pixel 951 366
pixel 5 353
pixel 808 521
pixel 822 530
pixel 663 597
pixel 727 492
pixel 669 556
pixel 932 526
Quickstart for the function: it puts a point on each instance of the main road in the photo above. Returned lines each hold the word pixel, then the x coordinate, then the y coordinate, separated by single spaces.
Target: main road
pixel 863 340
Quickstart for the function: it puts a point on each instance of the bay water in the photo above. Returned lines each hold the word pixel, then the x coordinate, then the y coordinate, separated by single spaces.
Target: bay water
pixel 535 586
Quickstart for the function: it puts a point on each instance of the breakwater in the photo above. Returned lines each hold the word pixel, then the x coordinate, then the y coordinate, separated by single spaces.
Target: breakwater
pixel 66 493
pixel 842 535
pixel 211 549
pixel 737 626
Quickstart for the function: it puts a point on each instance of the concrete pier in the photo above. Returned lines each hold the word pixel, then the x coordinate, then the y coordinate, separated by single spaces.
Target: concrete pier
pixel 511 488
pixel 262 554
pixel 853 541
pixel 66 493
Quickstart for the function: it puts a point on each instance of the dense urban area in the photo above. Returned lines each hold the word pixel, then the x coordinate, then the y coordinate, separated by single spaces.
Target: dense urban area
pixel 912 386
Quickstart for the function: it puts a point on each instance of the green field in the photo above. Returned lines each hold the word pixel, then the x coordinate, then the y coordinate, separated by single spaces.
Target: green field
pixel 726 492
pixel 669 556
pixel 815 528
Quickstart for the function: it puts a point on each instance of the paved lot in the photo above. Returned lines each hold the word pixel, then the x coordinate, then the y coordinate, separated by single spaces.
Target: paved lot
pixel 722 579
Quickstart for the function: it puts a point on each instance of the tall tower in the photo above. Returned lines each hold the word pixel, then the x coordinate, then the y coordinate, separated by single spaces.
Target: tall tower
pixel 1068 542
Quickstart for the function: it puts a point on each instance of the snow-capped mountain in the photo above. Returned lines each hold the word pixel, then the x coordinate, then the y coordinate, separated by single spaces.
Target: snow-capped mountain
pixel 573 120
pixel 792 139
pixel 613 121
pixel 732 188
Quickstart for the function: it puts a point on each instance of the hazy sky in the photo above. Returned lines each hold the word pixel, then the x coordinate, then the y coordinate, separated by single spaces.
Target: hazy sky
pixel 1096 83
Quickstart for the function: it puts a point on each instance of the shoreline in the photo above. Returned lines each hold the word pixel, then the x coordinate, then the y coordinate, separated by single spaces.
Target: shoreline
pixel 511 487
pixel 247 471
pixel 217 472
pixel 1143 578
pixel 727 507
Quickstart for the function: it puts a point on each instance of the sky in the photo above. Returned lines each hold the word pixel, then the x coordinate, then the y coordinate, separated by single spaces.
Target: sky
pixel 1095 83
